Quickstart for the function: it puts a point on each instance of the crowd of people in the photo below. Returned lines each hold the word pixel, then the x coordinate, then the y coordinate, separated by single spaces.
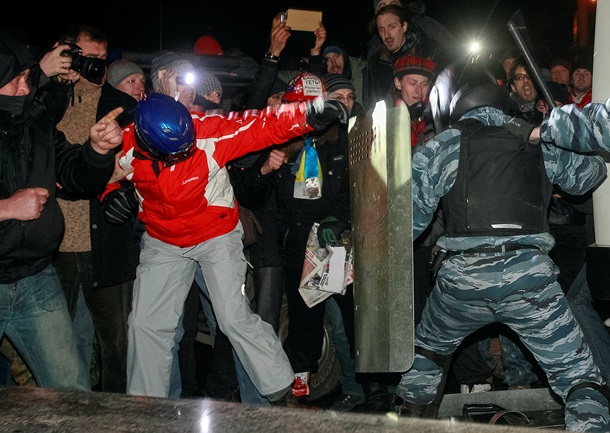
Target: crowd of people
pixel 113 251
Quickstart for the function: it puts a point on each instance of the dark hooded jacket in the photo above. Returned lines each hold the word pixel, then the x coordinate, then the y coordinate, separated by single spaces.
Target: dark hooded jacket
pixel 33 153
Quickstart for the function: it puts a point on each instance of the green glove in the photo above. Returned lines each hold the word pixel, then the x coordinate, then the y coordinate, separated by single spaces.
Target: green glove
pixel 329 231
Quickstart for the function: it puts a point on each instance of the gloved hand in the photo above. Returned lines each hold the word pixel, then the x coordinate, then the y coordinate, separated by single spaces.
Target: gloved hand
pixel 321 113
pixel 416 110
pixel 329 231
pixel 120 205
pixel 520 128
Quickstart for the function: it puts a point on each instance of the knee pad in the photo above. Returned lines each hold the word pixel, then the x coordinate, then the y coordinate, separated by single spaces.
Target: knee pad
pixel 602 389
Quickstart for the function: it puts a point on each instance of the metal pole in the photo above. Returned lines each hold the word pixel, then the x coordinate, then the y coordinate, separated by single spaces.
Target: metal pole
pixel 515 25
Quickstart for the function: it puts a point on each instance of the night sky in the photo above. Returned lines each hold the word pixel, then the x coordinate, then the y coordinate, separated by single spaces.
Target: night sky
pixel 137 25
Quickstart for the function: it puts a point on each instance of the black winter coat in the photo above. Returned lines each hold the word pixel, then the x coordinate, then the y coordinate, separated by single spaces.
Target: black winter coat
pixel 33 153
pixel 115 248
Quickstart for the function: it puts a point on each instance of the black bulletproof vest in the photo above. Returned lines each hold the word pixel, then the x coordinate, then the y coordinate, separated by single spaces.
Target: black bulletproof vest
pixel 501 187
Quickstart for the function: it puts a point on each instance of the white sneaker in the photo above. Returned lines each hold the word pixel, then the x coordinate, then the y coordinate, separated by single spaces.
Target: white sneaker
pixel 479 387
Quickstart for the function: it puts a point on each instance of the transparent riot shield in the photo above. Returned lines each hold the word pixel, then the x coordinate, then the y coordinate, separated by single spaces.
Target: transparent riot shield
pixel 382 235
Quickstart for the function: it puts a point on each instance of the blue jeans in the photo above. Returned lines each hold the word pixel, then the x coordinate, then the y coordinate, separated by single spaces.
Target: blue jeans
pixel 34 315
pixel 84 332
pixel 349 385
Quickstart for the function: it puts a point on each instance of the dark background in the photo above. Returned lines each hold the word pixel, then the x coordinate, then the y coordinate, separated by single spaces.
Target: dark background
pixel 137 25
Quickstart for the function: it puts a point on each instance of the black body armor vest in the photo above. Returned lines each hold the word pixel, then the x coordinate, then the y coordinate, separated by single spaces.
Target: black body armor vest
pixel 501 187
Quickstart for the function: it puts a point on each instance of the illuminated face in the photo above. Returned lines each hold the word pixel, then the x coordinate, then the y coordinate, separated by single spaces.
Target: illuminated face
pixel 187 95
pixel 391 31
pixel 582 80
pixel 560 74
pixel 334 63
pixel 413 88
pixel 215 96
pixel 523 86
pixel 133 85
pixel 18 86
pixel 346 96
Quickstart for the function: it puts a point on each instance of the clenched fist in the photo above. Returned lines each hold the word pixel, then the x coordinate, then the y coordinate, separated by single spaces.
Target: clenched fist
pixel 24 205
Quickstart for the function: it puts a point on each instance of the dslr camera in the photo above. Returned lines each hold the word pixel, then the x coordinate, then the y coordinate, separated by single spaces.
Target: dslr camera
pixel 92 68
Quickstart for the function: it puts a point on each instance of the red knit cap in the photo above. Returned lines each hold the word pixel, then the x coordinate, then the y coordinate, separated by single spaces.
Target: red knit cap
pixel 414 65
pixel 207 45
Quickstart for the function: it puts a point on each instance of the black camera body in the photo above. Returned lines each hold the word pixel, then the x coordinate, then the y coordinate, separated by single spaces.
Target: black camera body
pixel 92 68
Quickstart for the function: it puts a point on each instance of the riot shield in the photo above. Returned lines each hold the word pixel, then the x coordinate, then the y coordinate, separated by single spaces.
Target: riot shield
pixel 382 236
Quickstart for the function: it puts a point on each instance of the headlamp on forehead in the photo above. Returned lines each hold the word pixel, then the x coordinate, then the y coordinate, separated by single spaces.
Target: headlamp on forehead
pixel 188 79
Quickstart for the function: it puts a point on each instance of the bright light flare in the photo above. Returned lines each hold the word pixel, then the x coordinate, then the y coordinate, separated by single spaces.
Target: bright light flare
pixel 189 78
pixel 475 47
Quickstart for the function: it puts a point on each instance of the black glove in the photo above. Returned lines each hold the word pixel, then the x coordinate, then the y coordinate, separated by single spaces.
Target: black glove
pixel 320 116
pixel 416 110
pixel 329 231
pixel 520 128
pixel 120 205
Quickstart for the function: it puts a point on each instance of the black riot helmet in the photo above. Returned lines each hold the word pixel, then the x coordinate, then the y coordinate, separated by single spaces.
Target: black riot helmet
pixel 462 87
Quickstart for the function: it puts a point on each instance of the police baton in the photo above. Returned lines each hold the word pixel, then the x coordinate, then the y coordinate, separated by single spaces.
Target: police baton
pixel 516 27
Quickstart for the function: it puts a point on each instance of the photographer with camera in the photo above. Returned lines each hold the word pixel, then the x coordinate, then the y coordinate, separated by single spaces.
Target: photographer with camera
pixel 35 158
pixel 97 260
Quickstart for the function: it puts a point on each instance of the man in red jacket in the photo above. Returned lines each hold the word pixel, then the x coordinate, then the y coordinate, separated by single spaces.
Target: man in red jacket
pixel 187 205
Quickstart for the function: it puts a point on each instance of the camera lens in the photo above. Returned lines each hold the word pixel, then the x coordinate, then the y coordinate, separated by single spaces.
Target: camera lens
pixel 93 69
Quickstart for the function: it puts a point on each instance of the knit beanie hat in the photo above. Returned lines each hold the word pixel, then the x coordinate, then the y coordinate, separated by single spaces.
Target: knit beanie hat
pixel 334 82
pixel 206 44
pixel 121 69
pixel 207 83
pixel 561 62
pixel 332 49
pixel 172 62
pixel 584 61
pixel 414 65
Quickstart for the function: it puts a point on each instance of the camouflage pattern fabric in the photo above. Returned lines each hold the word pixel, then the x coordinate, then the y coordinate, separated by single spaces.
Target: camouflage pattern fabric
pixel 584 130
pixel 518 288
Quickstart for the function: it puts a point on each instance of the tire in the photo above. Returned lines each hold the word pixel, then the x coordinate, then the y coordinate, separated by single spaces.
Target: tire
pixel 326 380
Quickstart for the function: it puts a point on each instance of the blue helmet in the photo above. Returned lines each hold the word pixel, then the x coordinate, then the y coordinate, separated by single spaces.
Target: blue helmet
pixel 164 128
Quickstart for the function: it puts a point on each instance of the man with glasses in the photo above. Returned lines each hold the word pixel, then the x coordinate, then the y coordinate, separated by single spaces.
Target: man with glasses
pixel 523 91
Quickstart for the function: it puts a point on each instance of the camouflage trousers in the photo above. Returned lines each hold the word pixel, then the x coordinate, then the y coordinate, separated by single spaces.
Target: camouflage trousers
pixel 519 289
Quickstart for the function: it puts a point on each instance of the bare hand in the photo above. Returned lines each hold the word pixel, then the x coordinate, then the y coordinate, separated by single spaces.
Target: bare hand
pixel 542 107
pixel 280 33
pixel 106 134
pixel 119 172
pixel 320 34
pixel 53 63
pixel 274 161
pixel 24 205
pixel 167 82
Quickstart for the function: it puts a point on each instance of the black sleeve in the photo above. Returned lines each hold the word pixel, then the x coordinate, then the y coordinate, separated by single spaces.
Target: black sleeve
pixel 252 189
pixel 81 171
pixel 262 85
pixel 316 66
